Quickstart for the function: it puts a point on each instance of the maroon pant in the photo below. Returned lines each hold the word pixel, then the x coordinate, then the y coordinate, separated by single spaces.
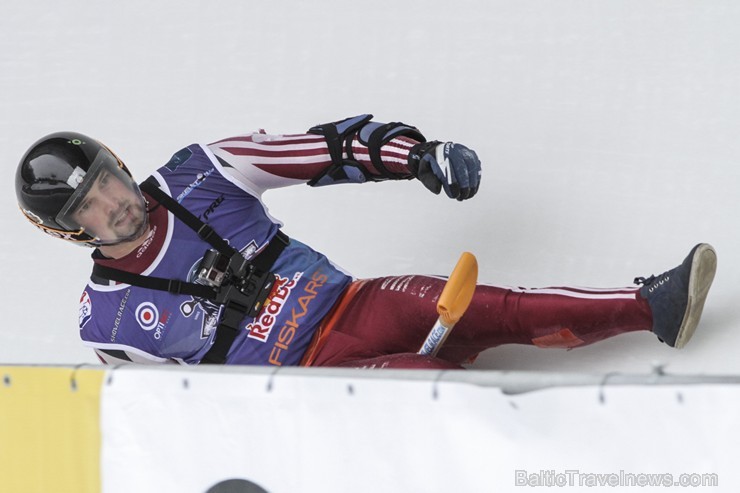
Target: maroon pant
pixel 383 322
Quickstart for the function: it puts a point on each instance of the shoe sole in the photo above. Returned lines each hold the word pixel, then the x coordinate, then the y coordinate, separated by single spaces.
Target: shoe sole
pixel 703 268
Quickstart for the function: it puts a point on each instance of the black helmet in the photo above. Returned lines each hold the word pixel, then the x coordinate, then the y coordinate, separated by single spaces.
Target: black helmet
pixel 54 176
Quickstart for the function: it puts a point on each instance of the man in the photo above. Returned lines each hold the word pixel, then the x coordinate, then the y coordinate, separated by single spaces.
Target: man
pixel 190 268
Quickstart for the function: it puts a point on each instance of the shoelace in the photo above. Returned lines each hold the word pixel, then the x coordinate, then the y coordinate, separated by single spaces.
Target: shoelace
pixel 655 282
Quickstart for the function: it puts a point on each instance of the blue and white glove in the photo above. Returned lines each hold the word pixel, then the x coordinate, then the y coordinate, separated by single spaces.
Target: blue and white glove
pixel 446 165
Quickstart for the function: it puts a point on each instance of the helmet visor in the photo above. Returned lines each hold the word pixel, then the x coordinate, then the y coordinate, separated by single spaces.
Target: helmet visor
pixel 106 203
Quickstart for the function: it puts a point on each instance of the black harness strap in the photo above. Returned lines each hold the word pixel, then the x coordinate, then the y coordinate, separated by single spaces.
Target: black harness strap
pixel 254 277
pixel 150 282
pixel 206 232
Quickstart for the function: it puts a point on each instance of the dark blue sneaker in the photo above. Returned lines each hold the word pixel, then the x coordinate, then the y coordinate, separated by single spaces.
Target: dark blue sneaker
pixel 676 297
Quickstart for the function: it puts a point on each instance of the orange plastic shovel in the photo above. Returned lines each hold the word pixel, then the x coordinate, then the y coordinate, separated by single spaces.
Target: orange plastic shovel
pixel 454 300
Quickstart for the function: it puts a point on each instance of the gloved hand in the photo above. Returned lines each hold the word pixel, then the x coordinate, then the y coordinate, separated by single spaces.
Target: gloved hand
pixel 446 165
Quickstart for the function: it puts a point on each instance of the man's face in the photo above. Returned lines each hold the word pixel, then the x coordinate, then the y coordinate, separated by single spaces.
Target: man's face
pixel 111 210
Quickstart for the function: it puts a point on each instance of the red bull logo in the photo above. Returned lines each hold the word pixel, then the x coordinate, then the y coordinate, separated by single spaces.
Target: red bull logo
pixel 262 326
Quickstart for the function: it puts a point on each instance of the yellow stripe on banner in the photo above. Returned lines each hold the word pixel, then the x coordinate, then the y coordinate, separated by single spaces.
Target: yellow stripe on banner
pixel 49 430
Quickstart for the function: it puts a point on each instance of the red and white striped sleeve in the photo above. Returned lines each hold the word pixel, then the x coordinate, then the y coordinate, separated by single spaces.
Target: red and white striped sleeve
pixel 262 161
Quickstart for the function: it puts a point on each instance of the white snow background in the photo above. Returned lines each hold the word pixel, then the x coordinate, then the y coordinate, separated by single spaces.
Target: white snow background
pixel 609 133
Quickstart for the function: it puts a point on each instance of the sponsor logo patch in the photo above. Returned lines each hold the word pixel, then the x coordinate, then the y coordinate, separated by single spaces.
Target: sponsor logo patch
pixel 199 179
pixel 147 242
pixel 162 324
pixel 262 326
pixel 147 315
pixel 290 327
pixel 85 309
pixel 119 315
pixel 212 207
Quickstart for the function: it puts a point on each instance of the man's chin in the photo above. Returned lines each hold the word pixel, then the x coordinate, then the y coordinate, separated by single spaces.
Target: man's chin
pixel 135 232
pixel 138 231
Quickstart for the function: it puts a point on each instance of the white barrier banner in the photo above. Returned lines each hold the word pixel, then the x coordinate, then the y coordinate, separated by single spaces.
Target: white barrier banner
pixel 190 432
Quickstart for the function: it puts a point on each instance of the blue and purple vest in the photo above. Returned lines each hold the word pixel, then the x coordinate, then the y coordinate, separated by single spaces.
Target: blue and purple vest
pixel 159 326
